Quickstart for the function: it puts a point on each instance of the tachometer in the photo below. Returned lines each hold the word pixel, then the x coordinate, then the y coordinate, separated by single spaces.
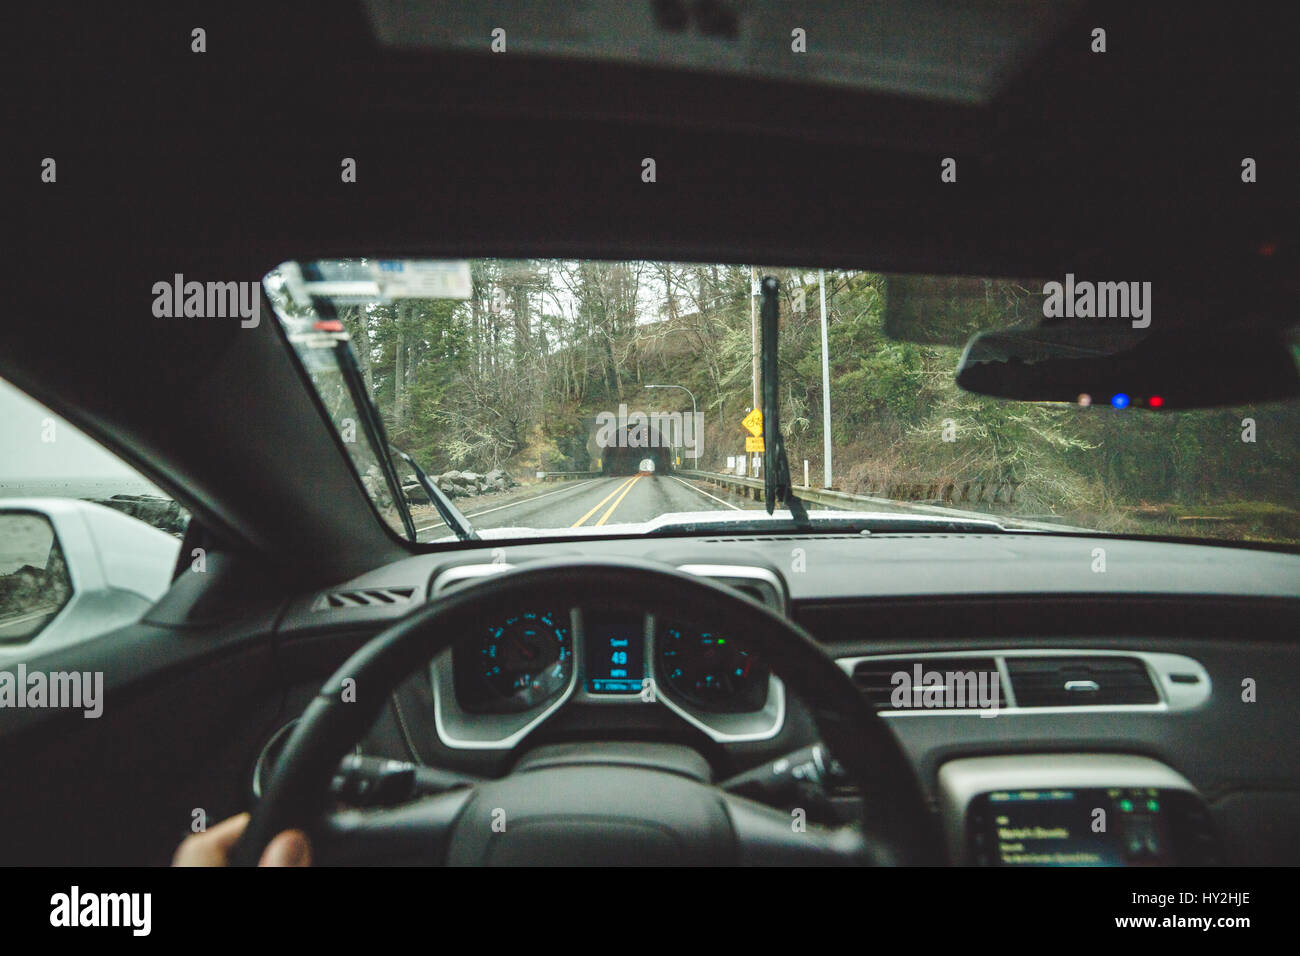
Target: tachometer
pixel 712 671
pixel 520 662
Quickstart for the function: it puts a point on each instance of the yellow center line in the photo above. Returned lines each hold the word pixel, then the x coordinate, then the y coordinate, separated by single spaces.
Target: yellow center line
pixel 602 502
pixel 617 502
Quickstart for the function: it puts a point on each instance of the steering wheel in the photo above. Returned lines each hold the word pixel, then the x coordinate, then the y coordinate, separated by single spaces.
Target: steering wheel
pixel 591 811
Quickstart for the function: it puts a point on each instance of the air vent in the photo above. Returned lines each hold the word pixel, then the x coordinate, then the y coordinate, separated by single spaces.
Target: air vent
pixel 1080 681
pixel 955 683
pixel 364 597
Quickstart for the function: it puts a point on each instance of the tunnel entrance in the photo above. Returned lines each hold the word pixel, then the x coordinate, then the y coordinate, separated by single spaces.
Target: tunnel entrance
pixel 630 461
pixel 632 443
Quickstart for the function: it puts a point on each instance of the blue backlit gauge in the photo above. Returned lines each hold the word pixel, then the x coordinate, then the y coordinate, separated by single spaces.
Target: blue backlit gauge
pixel 713 671
pixel 527 659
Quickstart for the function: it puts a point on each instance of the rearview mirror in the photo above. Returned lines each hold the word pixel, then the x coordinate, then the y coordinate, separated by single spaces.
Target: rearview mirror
pixel 1121 366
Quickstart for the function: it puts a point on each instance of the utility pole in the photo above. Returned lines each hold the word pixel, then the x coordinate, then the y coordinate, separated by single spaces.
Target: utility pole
pixel 753 332
pixel 826 384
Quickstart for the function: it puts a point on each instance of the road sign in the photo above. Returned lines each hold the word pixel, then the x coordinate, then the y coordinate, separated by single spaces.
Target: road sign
pixel 753 423
pixel 754 444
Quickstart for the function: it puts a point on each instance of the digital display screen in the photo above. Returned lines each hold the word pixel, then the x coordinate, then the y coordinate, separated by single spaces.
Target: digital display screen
pixel 615 651
pixel 1072 827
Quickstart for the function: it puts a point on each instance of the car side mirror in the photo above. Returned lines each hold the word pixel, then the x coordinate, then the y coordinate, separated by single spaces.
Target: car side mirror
pixel 34 581
pixel 71 570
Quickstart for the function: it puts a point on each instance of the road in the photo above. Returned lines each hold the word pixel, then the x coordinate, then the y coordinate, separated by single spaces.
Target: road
pixel 600 501
pixel 21 626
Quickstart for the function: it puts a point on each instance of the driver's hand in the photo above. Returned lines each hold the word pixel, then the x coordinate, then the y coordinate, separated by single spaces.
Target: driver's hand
pixel 213 846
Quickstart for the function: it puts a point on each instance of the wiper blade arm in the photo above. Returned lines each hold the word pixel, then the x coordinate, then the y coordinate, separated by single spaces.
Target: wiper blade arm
pixel 776 466
pixel 452 515
pixel 374 428
pixel 831 523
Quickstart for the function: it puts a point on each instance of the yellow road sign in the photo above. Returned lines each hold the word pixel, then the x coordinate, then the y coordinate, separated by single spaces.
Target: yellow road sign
pixel 753 423
pixel 754 444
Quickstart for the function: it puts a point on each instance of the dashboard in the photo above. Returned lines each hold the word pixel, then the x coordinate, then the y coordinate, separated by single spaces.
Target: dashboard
pixel 1156 654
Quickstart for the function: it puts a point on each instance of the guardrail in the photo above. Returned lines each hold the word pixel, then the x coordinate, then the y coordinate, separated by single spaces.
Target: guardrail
pixel 748 487
pixel 753 488
pixel 738 484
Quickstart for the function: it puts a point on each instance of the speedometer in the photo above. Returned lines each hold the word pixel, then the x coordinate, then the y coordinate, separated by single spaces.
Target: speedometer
pixel 712 670
pixel 517 662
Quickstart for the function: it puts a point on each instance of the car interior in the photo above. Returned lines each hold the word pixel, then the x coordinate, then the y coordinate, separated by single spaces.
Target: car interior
pixel 312 663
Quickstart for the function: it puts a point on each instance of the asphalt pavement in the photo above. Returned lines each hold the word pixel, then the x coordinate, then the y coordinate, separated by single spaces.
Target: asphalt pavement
pixel 596 502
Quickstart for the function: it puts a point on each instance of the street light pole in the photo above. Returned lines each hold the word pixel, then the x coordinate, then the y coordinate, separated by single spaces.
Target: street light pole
pixel 826 385
pixel 695 419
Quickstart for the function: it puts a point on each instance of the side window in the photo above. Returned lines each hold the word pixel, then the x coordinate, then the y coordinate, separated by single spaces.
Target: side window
pixel 87 544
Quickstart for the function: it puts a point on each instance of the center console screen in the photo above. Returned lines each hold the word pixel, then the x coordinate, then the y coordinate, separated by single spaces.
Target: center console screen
pixel 1086 827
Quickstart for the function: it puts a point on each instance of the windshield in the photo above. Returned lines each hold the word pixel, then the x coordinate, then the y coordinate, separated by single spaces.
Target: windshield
pixel 566 396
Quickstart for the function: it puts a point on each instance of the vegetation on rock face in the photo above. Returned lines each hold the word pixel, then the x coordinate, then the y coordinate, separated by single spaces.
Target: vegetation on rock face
pixel 512 377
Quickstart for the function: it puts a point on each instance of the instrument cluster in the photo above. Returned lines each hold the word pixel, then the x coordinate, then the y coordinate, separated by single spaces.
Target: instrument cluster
pixel 515 669
pixel 523 660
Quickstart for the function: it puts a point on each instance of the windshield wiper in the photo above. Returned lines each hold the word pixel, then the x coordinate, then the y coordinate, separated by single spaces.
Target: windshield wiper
pixel 452 515
pixel 372 424
pixel 776 466
pixel 823 522
pixel 374 429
